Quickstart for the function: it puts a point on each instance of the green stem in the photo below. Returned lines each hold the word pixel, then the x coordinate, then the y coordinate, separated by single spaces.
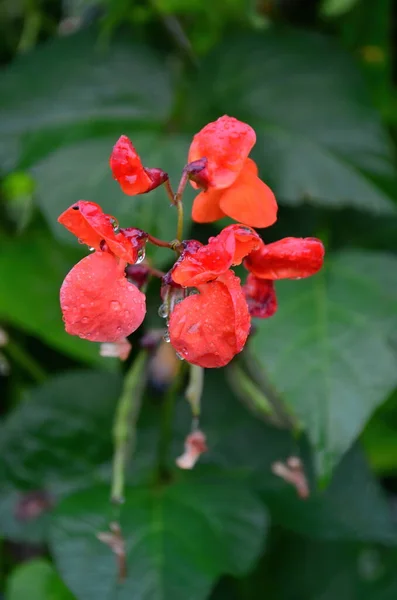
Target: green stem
pixel 179 229
pixel 19 355
pixel 194 389
pixel 124 428
pixel 167 413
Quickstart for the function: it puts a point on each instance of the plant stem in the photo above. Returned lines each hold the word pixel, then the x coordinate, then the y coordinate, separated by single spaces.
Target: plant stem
pixel 179 229
pixel 194 389
pixel 170 191
pixel 160 243
pixel 125 422
pixel 19 355
pixel 166 428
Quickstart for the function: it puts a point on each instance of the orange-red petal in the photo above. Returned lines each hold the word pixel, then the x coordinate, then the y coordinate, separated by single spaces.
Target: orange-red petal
pixel 87 221
pixel 207 262
pixel 246 240
pixel 225 144
pixel 249 200
pixel 206 207
pixel 289 258
pixel 97 301
pixel 208 329
pixel 260 296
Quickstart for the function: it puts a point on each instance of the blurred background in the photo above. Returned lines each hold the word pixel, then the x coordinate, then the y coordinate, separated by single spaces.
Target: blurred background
pixel 317 81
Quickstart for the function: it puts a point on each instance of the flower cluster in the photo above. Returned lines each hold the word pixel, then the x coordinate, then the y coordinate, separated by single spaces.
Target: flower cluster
pixel 207 310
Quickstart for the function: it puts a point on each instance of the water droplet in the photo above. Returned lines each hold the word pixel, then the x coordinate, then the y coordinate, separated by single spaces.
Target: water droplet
pixel 115 224
pixel 115 305
pixel 179 356
pixel 91 249
pixel 166 337
pixel 163 311
pixel 141 256
pixel 85 320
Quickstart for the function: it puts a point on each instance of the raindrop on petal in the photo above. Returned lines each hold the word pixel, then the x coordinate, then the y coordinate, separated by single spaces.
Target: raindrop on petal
pixel 163 311
pixel 141 256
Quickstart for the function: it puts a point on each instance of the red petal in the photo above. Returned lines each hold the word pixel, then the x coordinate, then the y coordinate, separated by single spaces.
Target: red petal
pixel 129 172
pixel 97 301
pixel 206 207
pixel 289 258
pixel 210 328
pixel 87 221
pixel 260 296
pixel 225 144
pixel 249 200
pixel 246 240
pixel 206 263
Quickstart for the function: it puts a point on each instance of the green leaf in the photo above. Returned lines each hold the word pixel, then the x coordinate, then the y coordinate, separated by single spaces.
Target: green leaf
pixel 76 79
pixel 336 8
pixel 43 438
pixel 328 353
pixel 179 539
pixel 83 169
pixel 352 508
pixel 319 139
pixel 36 580
pixel 32 268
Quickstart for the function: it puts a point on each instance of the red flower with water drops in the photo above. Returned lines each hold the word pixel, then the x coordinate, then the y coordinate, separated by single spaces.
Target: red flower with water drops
pixel 98 302
pixel 200 264
pixel 209 328
pixel 129 172
pixel 87 221
pixel 289 258
pixel 230 179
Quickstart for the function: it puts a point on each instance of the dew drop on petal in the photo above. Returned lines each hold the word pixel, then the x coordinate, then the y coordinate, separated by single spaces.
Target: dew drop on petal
pixel 179 356
pixel 141 256
pixel 115 305
pixel 166 337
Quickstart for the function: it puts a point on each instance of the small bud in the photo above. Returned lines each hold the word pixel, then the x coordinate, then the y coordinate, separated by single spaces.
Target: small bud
pixel 198 172
pixel 292 472
pixel 195 446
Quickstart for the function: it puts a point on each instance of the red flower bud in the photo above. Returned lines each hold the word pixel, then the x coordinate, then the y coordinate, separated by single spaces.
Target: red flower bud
pixel 289 258
pixel 260 296
pixel 208 329
pixel 97 301
pixel 129 172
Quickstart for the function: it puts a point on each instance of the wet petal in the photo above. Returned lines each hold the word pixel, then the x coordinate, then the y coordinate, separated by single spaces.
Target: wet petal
pixel 206 207
pixel 225 144
pixel 97 301
pixel 289 258
pixel 210 328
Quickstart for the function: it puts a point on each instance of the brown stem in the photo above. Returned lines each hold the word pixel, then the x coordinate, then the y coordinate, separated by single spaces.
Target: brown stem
pixel 170 191
pixel 160 243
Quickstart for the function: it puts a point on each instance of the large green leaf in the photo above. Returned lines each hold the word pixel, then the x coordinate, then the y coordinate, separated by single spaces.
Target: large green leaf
pixel 352 507
pixel 32 268
pixel 328 352
pixel 56 440
pixel 319 140
pixel 82 170
pixel 36 580
pixel 79 80
pixel 179 539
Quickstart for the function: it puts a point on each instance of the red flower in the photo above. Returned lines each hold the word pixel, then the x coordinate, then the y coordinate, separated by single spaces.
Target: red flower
pixel 230 178
pixel 92 226
pixel 260 296
pixel 129 172
pixel 208 329
pixel 289 258
pixel 204 263
pixel 225 143
pixel 97 301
